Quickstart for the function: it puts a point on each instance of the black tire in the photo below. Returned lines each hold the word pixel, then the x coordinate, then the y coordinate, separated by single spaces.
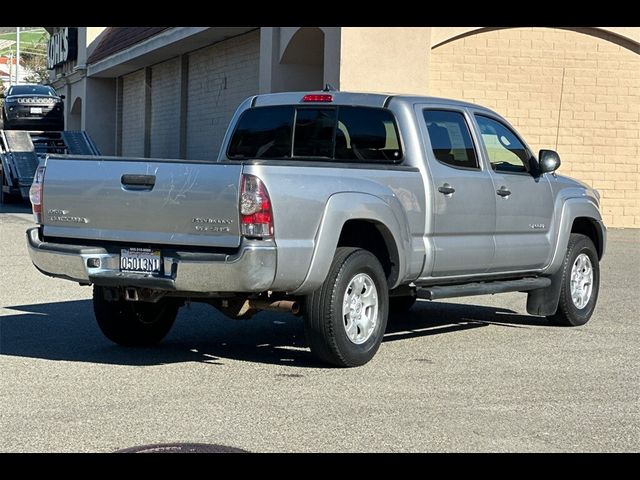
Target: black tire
pixel 401 304
pixel 6 125
pixel 324 323
pixel 134 324
pixel 568 314
pixel 4 197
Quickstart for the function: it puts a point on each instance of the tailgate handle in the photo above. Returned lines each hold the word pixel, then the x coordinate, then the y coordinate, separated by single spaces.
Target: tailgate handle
pixel 138 182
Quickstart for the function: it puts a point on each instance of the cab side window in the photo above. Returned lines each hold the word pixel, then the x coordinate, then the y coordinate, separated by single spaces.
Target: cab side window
pixel 506 152
pixel 450 139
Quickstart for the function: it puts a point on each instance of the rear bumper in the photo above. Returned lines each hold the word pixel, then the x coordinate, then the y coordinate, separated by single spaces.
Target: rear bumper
pixel 20 116
pixel 252 269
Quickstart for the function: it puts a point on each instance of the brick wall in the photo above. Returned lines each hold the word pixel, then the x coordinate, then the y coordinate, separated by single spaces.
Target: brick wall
pixel 220 78
pixel 165 109
pixel 133 114
pixel 564 90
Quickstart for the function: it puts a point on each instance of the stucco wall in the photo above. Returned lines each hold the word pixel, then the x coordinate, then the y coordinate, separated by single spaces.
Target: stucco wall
pixel 383 59
pixel 564 90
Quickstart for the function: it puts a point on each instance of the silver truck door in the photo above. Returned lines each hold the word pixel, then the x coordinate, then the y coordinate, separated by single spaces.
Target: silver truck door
pixel 463 204
pixel 524 202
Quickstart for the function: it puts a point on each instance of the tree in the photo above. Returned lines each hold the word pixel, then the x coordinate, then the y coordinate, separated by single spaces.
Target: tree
pixel 35 59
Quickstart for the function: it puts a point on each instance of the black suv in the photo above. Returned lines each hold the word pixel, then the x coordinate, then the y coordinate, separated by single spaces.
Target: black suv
pixel 33 107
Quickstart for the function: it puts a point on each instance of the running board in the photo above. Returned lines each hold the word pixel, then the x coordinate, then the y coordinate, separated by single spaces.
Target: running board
pixel 482 288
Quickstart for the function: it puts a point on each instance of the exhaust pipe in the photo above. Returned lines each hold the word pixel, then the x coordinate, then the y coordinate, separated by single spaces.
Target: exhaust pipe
pixel 279 305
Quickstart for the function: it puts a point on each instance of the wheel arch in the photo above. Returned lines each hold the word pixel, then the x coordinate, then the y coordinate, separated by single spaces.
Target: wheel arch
pixel 375 237
pixel 358 220
pixel 589 227
pixel 578 215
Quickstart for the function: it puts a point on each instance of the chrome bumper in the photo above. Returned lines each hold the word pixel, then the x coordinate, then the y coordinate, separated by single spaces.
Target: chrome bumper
pixel 252 269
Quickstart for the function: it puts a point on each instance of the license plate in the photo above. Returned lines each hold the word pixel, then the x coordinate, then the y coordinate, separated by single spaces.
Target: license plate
pixel 140 260
pixel 36 109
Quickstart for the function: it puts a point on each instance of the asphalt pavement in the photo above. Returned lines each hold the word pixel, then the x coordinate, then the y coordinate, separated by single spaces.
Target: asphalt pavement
pixel 474 374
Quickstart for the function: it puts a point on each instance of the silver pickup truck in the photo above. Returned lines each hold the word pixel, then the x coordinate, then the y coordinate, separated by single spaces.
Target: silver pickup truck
pixel 338 207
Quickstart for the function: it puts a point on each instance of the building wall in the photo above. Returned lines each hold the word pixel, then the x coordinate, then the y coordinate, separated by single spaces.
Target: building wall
pixel 133 98
pixel 570 91
pixel 165 109
pixel 377 59
pixel 220 78
pixel 100 122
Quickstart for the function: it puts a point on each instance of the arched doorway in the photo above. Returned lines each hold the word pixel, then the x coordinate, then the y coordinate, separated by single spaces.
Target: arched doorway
pixel 74 120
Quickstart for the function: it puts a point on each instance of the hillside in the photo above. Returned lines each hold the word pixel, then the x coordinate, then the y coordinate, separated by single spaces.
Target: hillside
pixel 32 40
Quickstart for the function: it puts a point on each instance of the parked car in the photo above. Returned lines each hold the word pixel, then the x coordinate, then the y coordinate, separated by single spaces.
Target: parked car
pixel 32 107
pixel 335 206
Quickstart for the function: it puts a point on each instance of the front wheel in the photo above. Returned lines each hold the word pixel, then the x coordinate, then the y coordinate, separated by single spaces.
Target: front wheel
pixel 580 283
pixel 346 317
pixel 6 124
pixel 134 324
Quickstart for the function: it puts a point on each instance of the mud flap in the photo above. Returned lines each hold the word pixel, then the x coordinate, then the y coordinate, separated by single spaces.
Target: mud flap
pixel 544 301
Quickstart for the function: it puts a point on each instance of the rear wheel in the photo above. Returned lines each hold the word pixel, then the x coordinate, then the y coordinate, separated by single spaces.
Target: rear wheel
pixel 580 283
pixel 134 323
pixel 346 317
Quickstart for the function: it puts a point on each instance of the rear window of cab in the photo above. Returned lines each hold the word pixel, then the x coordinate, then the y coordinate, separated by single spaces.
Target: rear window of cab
pixel 317 133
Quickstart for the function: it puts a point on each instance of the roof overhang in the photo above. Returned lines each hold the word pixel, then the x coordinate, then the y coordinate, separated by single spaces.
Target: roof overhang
pixel 163 46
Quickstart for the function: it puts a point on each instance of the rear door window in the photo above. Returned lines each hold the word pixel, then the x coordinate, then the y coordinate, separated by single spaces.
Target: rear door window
pixel 451 139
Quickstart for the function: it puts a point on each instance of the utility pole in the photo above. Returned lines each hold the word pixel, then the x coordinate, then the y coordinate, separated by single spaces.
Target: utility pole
pixel 17 55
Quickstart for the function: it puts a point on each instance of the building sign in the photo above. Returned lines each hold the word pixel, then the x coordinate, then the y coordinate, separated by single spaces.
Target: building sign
pixel 63 47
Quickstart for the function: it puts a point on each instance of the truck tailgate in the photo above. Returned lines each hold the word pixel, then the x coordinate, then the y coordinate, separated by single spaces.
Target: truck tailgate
pixel 142 201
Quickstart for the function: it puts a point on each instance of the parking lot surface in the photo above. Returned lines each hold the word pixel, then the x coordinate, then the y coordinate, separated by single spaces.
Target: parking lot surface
pixel 474 374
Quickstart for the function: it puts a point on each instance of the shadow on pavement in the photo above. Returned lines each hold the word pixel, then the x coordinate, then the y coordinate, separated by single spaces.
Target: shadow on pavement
pixel 67 331
pixel 15 204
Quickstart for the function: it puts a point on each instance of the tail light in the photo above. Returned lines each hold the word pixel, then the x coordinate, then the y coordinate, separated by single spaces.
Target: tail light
pixel 317 98
pixel 35 194
pixel 256 217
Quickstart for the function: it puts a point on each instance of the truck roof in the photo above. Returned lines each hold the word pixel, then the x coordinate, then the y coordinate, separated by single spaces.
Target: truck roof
pixel 356 98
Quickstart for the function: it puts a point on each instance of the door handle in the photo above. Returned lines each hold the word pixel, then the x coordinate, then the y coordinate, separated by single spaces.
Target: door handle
pixel 446 189
pixel 138 182
pixel 503 191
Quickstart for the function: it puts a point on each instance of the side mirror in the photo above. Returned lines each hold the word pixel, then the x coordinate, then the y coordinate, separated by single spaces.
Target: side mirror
pixel 62 97
pixel 549 161
pixel 2 95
